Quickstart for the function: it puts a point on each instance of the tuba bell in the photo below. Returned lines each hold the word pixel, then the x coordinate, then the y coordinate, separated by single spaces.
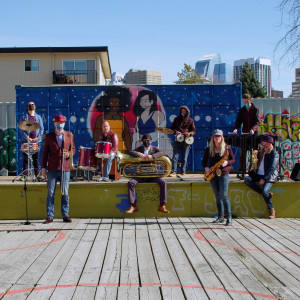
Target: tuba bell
pixel 136 167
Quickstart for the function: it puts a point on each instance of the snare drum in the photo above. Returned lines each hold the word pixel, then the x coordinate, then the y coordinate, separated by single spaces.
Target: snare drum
pixel 87 159
pixel 30 147
pixel 103 149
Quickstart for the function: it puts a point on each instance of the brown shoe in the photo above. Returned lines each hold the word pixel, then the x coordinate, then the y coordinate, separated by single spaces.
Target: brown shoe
pixel 48 220
pixel 172 175
pixel 67 219
pixel 183 173
pixel 163 209
pixel 272 213
pixel 131 210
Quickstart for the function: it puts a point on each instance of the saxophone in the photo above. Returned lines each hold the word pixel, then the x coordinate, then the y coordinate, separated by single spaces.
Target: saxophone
pixel 136 167
pixel 215 169
pixel 254 160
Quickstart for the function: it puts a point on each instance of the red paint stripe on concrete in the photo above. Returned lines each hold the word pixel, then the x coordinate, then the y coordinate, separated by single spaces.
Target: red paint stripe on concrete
pixel 200 237
pixel 61 236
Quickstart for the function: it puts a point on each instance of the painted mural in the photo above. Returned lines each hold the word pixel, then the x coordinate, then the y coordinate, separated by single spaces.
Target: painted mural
pixel 282 118
pixel 133 111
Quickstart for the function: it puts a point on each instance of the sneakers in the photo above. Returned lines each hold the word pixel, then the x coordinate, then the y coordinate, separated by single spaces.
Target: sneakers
pixel 272 213
pixel 67 219
pixel 173 174
pixel 162 208
pixel 103 179
pixel 131 210
pixel 48 220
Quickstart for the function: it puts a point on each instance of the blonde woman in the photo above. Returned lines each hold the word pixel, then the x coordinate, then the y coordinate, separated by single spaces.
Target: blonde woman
pixel 214 153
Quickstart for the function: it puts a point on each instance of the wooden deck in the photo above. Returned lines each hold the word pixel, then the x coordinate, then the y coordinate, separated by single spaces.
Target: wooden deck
pixel 150 258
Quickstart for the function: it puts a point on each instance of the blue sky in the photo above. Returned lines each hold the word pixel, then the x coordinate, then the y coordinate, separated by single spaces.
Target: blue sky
pixel 159 35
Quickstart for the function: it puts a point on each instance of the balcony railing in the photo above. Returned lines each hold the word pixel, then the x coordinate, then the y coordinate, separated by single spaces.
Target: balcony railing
pixel 74 76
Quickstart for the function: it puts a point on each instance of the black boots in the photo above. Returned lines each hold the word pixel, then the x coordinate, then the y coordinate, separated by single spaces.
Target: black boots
pixel 220 219
pixel 229 220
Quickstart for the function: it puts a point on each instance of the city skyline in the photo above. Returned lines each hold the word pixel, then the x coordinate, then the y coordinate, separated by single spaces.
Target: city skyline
pixel 159 36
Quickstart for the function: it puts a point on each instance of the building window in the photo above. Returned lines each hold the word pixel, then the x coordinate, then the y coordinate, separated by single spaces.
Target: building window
pixel 32 65
pixel 80 66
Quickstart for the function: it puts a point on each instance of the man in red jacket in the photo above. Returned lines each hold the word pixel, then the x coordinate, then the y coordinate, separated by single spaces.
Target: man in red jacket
pixel 248 116
pixel 58 150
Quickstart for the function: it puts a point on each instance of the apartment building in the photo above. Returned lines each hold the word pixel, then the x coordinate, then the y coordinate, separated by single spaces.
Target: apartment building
pixel 135 76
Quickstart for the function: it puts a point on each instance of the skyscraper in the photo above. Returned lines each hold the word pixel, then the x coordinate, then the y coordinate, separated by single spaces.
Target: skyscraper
pixel 260 66
pixel 296 85
pixel 211 68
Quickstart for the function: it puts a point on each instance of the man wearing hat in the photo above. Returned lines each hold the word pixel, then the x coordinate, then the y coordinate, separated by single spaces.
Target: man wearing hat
pixel 34 136
pixel 58 150
pixel 266 174
pixel 147 151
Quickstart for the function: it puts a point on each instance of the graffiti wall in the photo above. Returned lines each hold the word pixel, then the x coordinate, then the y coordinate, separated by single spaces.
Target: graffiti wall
pixel 7 138
pixel 282 117
pixel 133 111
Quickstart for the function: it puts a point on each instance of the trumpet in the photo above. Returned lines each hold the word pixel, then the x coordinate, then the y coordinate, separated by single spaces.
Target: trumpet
pixel 136 167
pixel 215 169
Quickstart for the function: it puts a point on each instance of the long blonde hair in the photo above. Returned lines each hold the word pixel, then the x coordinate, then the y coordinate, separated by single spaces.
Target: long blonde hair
pixel 212 147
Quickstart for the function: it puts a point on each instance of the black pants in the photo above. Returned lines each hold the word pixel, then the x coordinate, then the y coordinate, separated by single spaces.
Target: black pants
pixel 35 160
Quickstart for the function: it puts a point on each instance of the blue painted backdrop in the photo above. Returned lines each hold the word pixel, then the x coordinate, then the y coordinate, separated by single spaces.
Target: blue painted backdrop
pixel 211 106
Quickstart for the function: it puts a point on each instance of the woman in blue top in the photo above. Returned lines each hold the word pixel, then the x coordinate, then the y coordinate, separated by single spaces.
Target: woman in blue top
pixel 148 116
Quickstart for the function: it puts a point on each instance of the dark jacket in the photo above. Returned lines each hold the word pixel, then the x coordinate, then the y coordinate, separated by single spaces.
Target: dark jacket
pixel 154 151
pixel 111 138
pixel 213 160
pixel 270 165
pixel 184 124
pixel 52 153
pixel 248 118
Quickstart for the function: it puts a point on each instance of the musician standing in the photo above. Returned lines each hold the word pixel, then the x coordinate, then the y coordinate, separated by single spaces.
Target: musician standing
pixel 58 149
pixel 185 125
pixel 147 151
pixel 34 136
pixel 108 135
pixel 248 116
pixel 267 173
pixel 216 151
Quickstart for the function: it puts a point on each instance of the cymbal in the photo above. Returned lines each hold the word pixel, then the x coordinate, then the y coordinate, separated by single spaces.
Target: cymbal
pixel 165 130
pixel 29 125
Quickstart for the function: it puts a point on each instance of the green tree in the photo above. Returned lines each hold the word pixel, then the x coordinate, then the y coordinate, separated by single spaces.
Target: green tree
pixel 188 76
pixel 250 84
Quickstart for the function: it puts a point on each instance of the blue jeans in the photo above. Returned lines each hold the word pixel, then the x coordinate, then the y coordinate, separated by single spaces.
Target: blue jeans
pixel 220 189
pixel 265 190
pixel 107 165
pixel 184 149
pixel 51 185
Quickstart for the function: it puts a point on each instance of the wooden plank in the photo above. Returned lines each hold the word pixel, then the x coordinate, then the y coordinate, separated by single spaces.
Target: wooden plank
pixel 244 275
pixel 140 223
pixel 54 271
pixel 68 226
pixel 128 293
pixel 129 224
pixel 171 286
pixel 176 223
pixel 265 269
pixel 94 224
pixel 84 292
pixel 152 223
pixel 148 276
pixel 24 258
pixel 82 224
pixel 164 223
pixel 106 224
pixel 117 224
pixel 206 265
pixel 106 293
pixel 92 269
pixel 187 223
pixel 184 269
pixel 72 272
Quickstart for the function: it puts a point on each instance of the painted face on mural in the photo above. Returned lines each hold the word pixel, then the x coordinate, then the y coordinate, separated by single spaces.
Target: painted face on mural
pixel 145 102
pixel 114 103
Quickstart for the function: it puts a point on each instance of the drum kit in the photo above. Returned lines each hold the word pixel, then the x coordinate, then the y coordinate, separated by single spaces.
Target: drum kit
pixel 189 140
pixel 29 148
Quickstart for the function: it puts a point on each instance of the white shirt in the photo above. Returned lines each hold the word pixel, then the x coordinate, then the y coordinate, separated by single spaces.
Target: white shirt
pixel 146 151
pixel 261 169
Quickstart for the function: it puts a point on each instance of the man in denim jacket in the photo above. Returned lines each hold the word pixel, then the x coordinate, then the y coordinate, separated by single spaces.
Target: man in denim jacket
pixel 267 173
